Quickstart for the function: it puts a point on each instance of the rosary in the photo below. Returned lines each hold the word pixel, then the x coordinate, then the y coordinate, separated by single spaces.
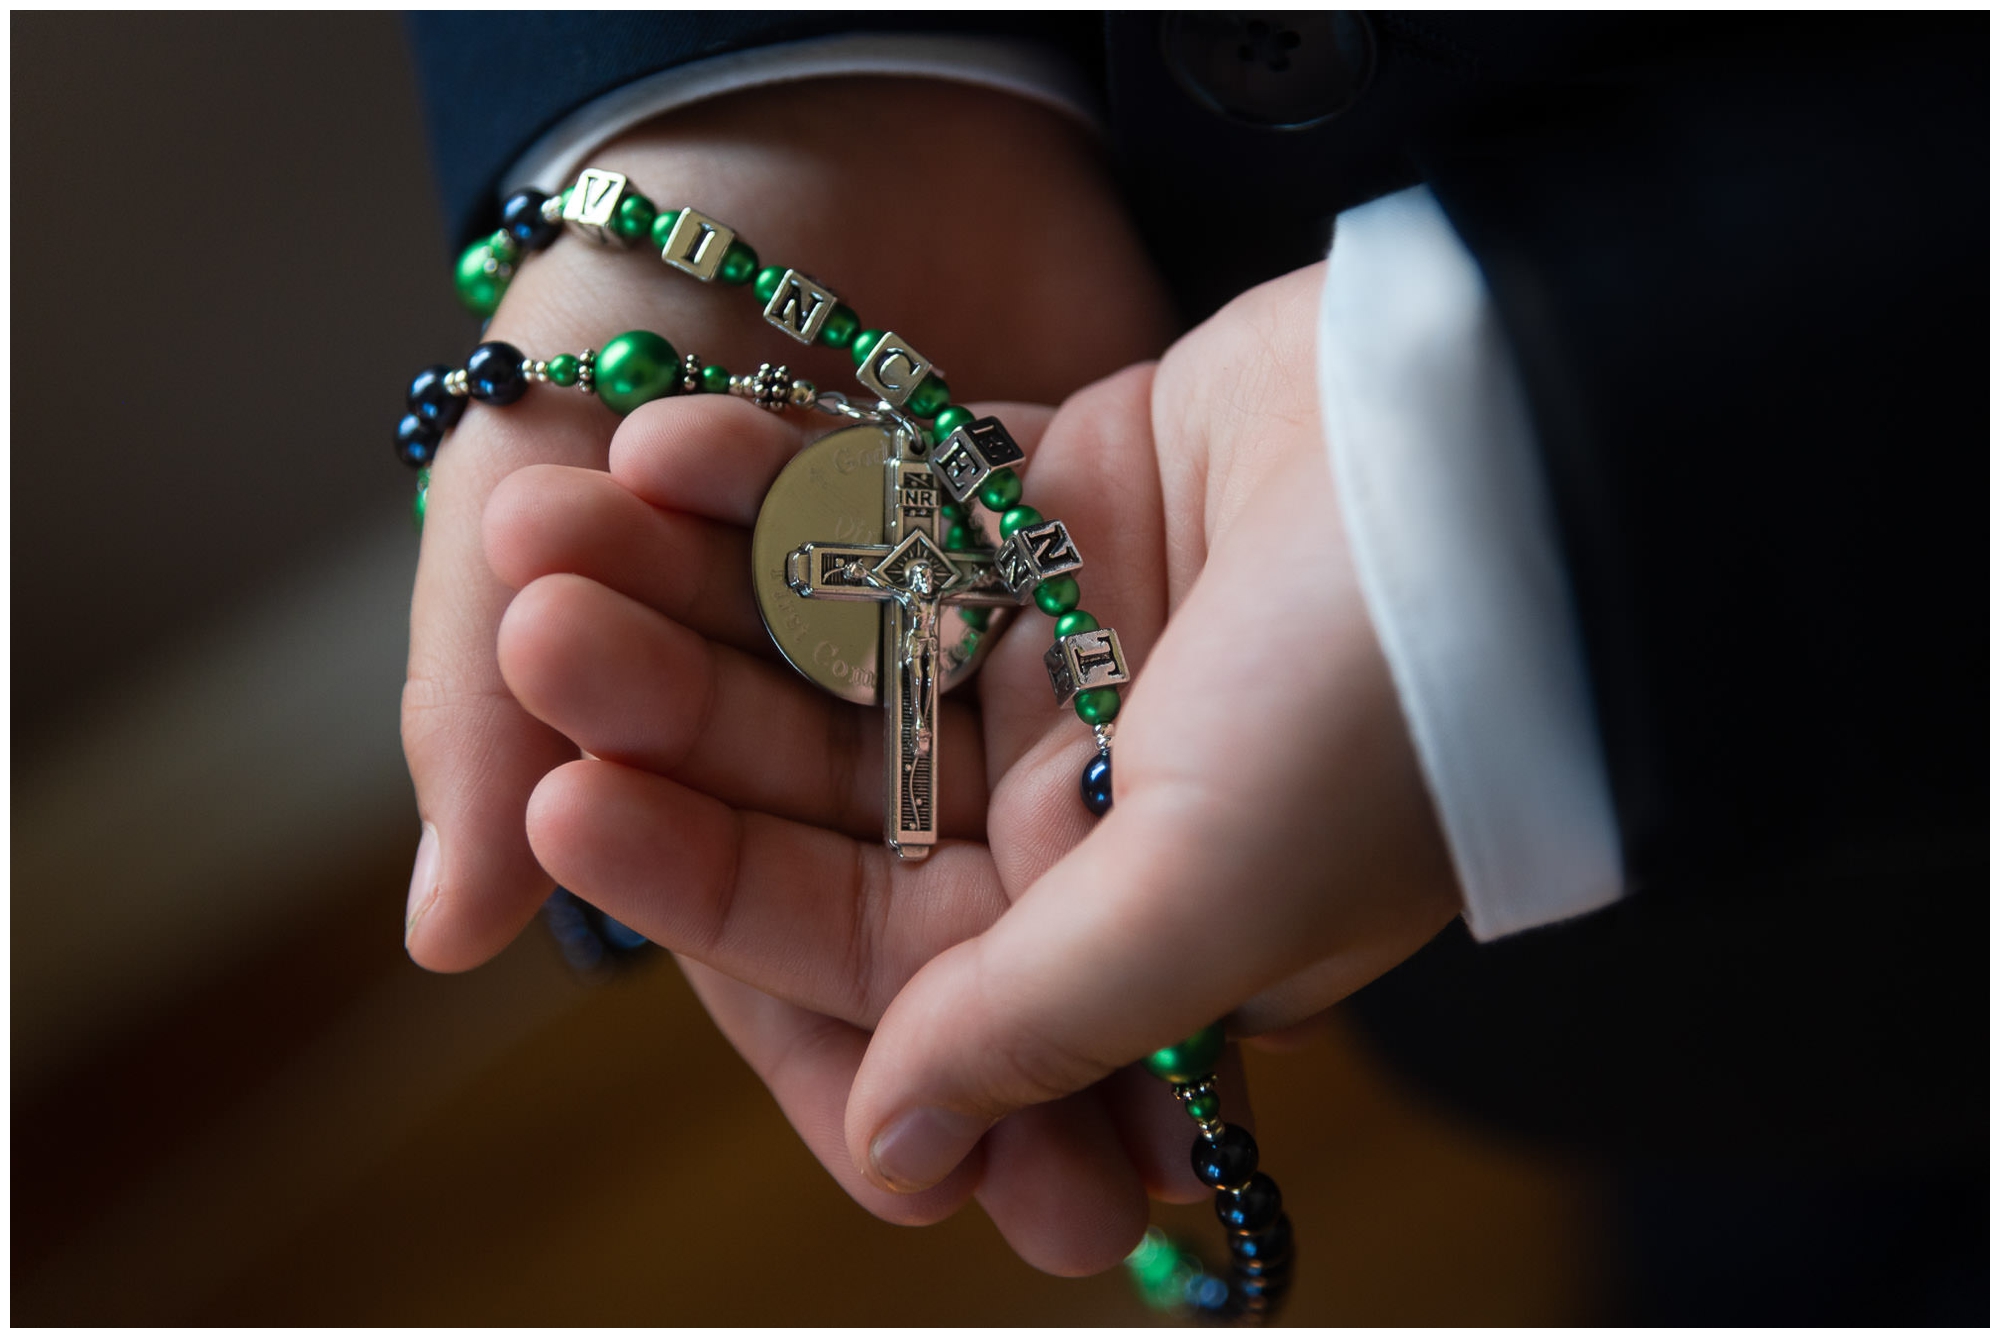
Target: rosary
pixel 869 538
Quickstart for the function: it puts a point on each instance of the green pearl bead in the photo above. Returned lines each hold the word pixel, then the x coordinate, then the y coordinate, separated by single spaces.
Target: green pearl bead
pixel 1057 595
pixel 663 227
pixel 715 379
pixel 1015 517
pixel 479 291
pixel 562 369
pixel 1096 706
pixel 1194 1057
pixel 1001 490
pixel 739 265
pixel 950 419
pixel 841 323
pixel 634 218
pixel 978 618
pixel 1204 1106
pixel 1076 620
pixel 768 279
pixel 864 344
pixel 418 502
pixel 953 512
pixel 930 396
pixel 636 367
pixel 957 537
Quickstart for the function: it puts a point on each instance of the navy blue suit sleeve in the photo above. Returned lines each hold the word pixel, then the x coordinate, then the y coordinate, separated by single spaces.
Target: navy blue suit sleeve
pixel 494 82
pixel 1747 290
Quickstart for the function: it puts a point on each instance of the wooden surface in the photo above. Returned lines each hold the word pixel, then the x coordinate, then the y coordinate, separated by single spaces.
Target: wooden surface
pixel 327 1135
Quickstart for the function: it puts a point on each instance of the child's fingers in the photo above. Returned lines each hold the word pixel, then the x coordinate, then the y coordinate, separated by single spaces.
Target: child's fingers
pixel 548 519
pixel 626 684
pixel 716 457
pixel 474 754
pixel 808 1060
pixel 1053 1179
pixel 706 455
pixel 1091 465
pixel 830 922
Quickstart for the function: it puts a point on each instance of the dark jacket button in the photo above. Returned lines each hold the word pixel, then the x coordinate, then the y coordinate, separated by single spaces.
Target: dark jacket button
pixel 1281 71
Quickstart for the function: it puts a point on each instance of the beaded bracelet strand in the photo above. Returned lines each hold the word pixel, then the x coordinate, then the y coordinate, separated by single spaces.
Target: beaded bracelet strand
pixel 604 208
pixel 1247 1202
pixel 631 369
pixel 973 459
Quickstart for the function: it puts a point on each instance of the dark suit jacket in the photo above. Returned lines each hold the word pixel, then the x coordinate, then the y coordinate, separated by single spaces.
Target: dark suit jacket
pixel 1742 264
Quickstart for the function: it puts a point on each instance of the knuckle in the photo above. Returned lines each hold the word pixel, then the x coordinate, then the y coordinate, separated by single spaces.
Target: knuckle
pixel 1034 1065
pixel 1033 1059
pixel 868 924
pixel 437 712
pixel 853 797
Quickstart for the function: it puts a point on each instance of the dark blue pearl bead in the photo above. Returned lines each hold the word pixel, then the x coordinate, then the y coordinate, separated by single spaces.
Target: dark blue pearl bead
pixel 1207 1293
pixel 493 374
pixel 589 939
pixel 1264 1247
pixel 416 441
pixel 1226 1161
pixel 1259 1268
pixel 1097 784
pixel 1271 1288
pixel 430 401
pixel 1230 1312
pixel 522 217
pixel 1251 1208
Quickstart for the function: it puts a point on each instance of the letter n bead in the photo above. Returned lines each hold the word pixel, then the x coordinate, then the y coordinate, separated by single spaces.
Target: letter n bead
pixel 1085 660
pixel 964 459
pixel 1034 553
pixel 799 306
pixel 593 203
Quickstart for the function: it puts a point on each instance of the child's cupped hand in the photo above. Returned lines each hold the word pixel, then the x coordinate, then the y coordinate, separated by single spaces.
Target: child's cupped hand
pixel 967 1024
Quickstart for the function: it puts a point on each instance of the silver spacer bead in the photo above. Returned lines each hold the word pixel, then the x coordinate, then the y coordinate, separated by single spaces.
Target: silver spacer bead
pixel 536 370
pixel 1210 1129
pixel 1185 1092
pixel 586 371
pixel 1104 734
pixel 690 373
pixel 768 387
pixel 552 208
pixel 804 394
pixel 454 383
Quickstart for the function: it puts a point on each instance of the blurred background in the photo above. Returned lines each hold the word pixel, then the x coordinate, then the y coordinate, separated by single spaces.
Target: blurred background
pixel 234 1099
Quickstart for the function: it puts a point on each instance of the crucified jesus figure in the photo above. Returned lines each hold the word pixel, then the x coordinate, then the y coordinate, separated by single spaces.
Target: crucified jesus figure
pixel 919 597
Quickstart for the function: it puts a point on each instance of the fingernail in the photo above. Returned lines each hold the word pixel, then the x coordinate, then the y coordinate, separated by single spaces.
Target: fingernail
pixel 423 882
pixel 920 1147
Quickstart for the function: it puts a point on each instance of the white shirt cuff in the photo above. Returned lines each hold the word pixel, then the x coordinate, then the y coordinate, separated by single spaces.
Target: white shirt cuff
pixel 1453 537
pixel 1022 68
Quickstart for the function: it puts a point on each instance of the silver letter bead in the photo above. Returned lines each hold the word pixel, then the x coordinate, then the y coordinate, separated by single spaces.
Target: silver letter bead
pixel 696 244
pixel 1085 660
pixel 593 203
pixel 1034 553
pixel 970 453
pixel 799 307
pixel 893 370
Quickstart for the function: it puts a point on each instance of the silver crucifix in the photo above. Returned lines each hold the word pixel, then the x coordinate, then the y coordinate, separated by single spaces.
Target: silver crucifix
pixel 912 576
